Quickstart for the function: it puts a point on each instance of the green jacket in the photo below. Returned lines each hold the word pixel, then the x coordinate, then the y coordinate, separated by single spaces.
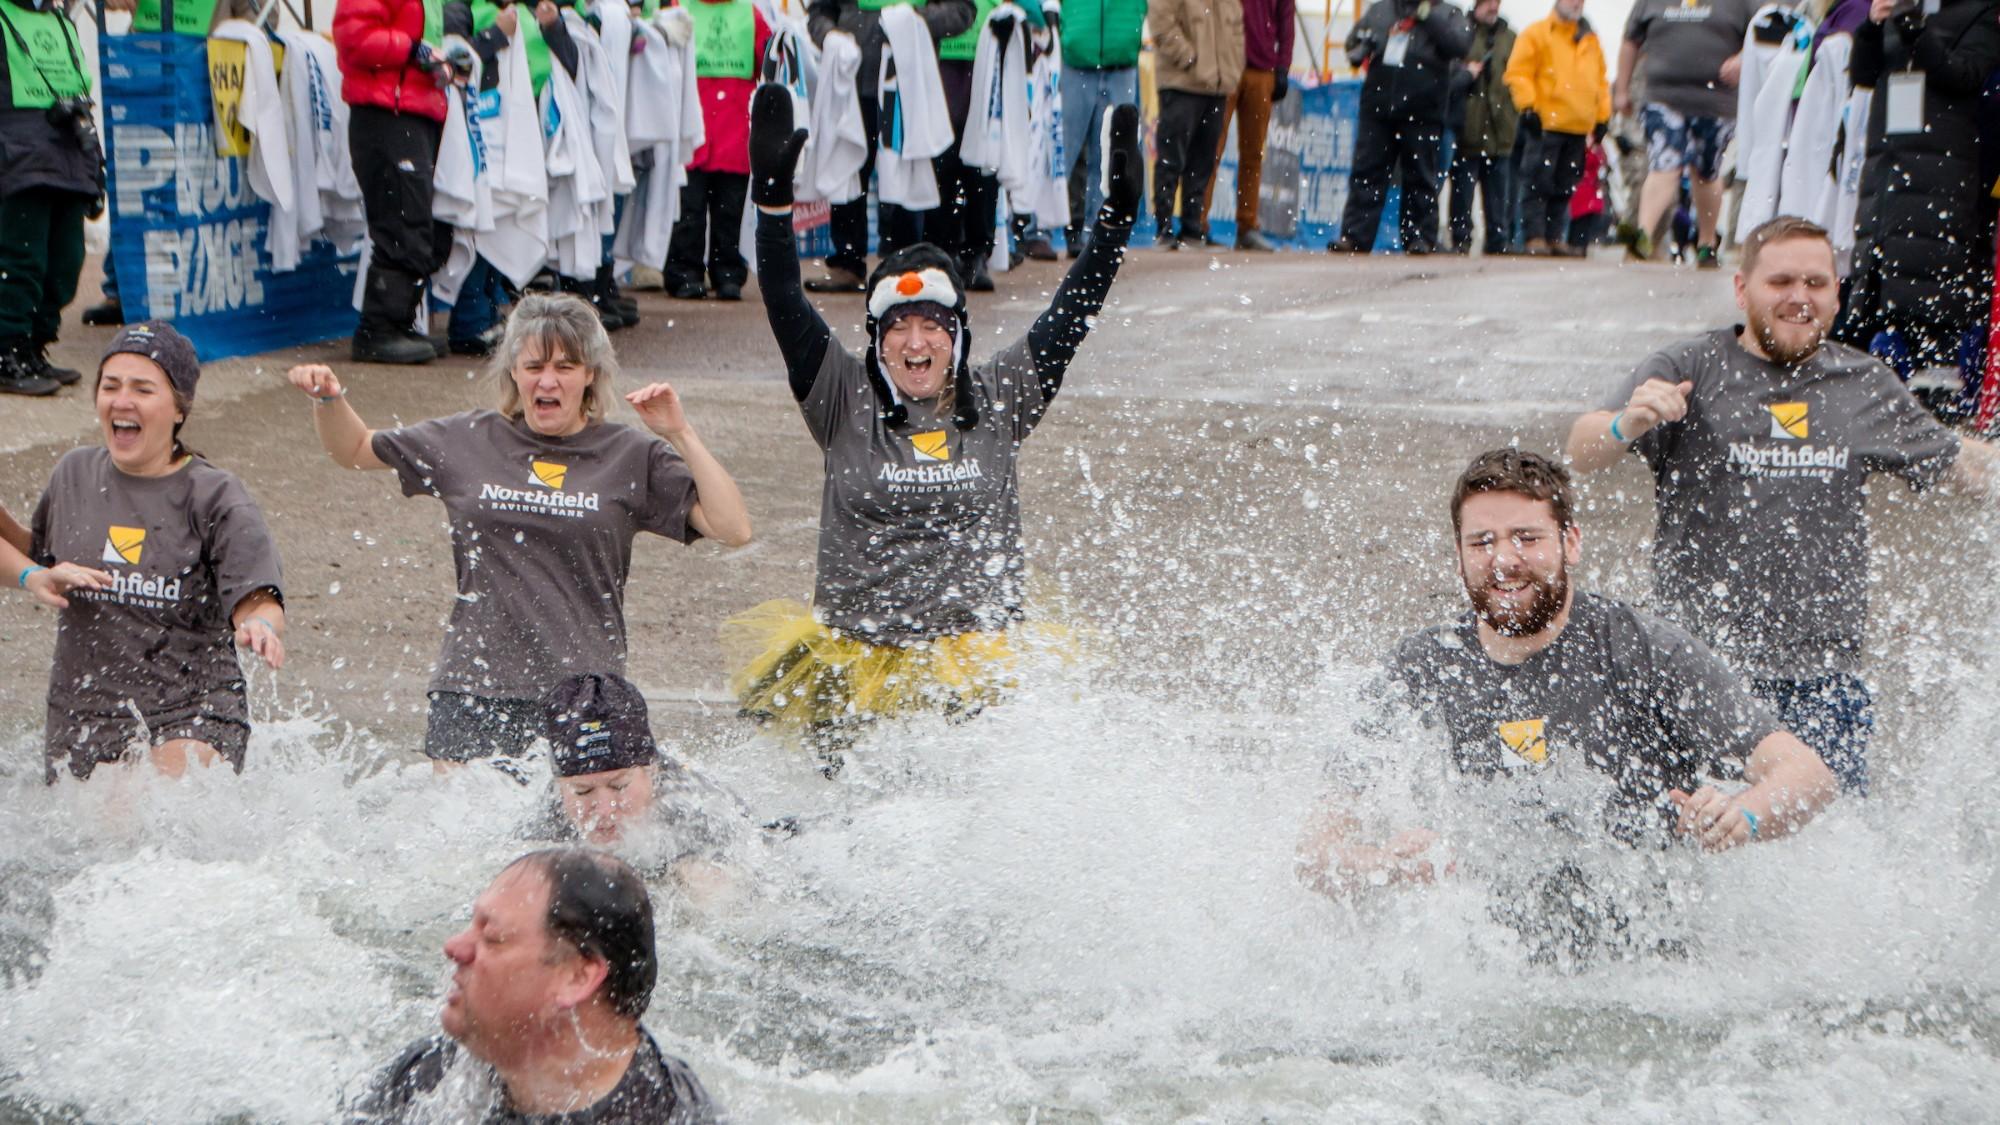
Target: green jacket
pixel 1490 117
pixel 1102 34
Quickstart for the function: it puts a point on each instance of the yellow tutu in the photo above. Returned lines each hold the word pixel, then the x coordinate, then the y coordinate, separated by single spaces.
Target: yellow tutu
pixel 797 673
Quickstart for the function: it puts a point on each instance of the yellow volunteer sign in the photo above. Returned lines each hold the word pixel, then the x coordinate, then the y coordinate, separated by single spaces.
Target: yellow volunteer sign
pixel 225 84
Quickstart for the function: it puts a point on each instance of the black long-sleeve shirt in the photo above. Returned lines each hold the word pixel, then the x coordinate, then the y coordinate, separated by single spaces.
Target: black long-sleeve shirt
pixel 803 335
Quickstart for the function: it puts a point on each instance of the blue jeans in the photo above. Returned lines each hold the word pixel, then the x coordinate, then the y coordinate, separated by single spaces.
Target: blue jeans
pixel 1087 95
pixel 1832 714
pixel 479 299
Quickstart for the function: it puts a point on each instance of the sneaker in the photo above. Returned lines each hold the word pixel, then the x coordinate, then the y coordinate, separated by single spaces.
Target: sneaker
pixel 1706 258
pixel 1038 249
pixel 400 347
pixel 38 362
pixel 17 378
pixel 1343 246
pixel 1253 241
pixel 729 291
pixel 104 313
pixel 1536 248
pixel 1420 249
pixel 1638 244
pixel 837 280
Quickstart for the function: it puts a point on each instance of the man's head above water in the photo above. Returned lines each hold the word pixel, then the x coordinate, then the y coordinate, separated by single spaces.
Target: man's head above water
pixel 1513 520
pixel 559 952
pixel 1788 289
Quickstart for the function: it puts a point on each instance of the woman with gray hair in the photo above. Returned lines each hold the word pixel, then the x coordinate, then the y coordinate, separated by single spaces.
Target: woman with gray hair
pixel 544 497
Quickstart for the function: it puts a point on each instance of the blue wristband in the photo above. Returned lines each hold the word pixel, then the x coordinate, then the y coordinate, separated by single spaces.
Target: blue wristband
pixel 1615 435
pixel 1751 817
pixel 27 570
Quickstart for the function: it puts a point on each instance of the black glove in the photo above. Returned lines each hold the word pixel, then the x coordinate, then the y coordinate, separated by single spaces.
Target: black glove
pixel 1124 167
pixel 1531 121
pixel 1597 134
pixel 1003 30
pixel 1281 83
pixel 774 146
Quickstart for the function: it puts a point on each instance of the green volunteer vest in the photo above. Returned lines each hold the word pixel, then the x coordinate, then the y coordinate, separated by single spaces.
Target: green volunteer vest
pixel 483 15
pixel 42 55
pixel 964 46
pixel 878 5
pixel 725 38
pixel 191 17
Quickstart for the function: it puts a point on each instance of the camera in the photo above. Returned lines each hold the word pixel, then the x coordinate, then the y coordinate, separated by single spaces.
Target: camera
pixel 71 118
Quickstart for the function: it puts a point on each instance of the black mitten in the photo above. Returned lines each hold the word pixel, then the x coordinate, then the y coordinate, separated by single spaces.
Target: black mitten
pixel 774 146
pixel 1124 167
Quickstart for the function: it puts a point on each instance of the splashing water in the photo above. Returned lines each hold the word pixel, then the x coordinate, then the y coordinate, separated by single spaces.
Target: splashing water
pixel 983 922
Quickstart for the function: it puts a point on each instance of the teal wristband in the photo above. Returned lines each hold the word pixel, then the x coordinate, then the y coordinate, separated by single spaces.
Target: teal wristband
pixel 1615 435
pixel 1751 818
pixel 27 570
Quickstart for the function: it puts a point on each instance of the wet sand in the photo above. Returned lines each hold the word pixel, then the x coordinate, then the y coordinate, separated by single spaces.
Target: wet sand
pixel 1246 477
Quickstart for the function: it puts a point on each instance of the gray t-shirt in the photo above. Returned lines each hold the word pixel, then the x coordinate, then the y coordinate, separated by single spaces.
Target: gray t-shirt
pixel 1685 44
pixel 1761 545
pixel 541 532
pixel 1619 691
pixel 920 524
pixel 656 1089
pixel 182 550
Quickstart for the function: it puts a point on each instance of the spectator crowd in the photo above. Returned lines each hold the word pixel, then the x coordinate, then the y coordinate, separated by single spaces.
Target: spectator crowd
pixel 481 149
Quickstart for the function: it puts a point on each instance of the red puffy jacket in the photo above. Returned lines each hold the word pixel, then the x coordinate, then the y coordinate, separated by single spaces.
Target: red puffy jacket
pixel 373 39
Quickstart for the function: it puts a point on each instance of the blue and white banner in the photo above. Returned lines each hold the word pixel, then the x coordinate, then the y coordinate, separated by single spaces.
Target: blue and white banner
pixel 187 233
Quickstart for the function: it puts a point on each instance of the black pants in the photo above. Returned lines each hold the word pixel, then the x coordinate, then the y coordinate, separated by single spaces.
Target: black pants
pixel 395 157
pixel 41 256
pixel 711 217
pixel 1187 137
pixel 849 221
pixel 1551 163
pixel 963 223
pixel 1470 172
pixel 1380 143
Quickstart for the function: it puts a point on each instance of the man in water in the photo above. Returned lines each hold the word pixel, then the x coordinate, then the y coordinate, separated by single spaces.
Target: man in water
pixel 542 1022
pixel 1541 684
pixel 1761 438
pixel 613 789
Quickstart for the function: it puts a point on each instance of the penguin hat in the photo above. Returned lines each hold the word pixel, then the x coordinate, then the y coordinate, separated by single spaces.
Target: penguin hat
pixel 920 280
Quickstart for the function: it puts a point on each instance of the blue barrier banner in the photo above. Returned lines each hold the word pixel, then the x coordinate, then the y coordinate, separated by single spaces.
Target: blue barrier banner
pixel 1308 161
pixel 187 233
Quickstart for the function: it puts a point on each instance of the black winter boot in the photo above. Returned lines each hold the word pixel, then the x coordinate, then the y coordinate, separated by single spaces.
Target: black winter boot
pixel 17 377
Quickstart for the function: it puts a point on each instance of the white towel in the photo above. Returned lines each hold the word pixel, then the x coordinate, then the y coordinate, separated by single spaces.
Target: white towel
pixel 663 119
pixel 1808 187
pixel 461 192
pixel 1760 156
pixel 329 195
pixel 837 144
pixel 915 120
pixel 269 166
pixel 1044 189
pixel 518 174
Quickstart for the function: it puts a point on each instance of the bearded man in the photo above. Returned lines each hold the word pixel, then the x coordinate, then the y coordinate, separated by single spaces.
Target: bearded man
pixel 1538 678
pixel 1761 438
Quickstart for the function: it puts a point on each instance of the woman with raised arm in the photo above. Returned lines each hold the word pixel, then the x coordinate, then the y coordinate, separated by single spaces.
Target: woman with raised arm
pixel 161 566
pixel 545 497
pixel 921 564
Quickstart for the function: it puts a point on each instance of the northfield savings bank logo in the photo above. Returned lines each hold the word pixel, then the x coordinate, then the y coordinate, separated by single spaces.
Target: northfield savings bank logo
pixel 124 545
pixel 1788 421
pixel 1526 739
pixel 547 495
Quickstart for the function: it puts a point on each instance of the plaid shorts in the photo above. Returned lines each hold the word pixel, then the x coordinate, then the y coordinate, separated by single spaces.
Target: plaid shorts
pixel 1674 142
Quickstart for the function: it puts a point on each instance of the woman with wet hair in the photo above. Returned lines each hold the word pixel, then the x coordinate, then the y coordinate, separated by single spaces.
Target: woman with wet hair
pixel 921 564
pixel 544 496
pixel 161 565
